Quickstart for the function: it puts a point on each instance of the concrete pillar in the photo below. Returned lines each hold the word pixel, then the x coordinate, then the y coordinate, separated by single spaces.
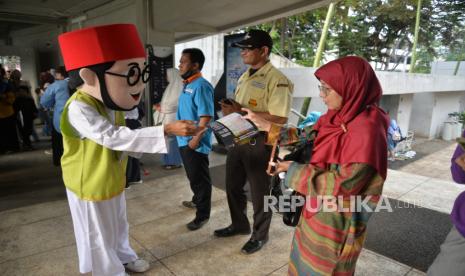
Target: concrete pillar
pixel 404 111
pixel 422 114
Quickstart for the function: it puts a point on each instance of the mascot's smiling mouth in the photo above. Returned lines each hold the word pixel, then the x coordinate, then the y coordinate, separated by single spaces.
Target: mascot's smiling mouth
pixel 135 96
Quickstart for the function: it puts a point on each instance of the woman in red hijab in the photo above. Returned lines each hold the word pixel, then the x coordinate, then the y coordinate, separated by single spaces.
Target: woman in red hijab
pixel 349 159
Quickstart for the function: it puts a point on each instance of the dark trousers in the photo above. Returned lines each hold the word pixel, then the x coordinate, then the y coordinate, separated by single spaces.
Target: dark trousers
pixel 133 167
pixel 132 170
pixel 249 162
pixel 9 137
pixel 57 146
pixel 196 166
pixel 25 129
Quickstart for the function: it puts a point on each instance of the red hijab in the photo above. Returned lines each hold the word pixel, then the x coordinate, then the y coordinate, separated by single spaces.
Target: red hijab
pixel 357 132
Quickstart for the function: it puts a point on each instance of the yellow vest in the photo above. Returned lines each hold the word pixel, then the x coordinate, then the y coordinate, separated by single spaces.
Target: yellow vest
pixel 90 170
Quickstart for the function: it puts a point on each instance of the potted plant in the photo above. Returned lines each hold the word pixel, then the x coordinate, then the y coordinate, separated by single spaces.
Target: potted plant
pixel 458 117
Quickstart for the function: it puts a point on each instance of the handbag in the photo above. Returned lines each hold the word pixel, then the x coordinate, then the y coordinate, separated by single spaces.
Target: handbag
pixel 302 154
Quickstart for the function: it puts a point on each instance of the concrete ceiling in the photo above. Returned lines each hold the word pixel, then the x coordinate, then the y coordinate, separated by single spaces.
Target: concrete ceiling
pixel 45 11
pixel 190 19
pixel 21 14
pixel 187 19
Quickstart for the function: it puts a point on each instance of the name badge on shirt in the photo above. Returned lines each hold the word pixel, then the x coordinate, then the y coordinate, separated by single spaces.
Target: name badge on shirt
pixel 253 102
pixel 258 84
pixel 189 90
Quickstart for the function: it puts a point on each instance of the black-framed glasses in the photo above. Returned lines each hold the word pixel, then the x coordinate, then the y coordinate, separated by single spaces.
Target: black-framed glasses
pixel 134 74
pixel 324 89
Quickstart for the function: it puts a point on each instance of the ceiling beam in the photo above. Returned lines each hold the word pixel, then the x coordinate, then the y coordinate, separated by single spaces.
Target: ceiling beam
pixel 32 19
pixel 289 10
pixel 296 8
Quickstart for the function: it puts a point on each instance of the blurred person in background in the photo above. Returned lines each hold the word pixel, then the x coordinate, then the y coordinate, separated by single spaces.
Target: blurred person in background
pixel 9 138
pixel 25 108
pixel 166 113
pixel 55 97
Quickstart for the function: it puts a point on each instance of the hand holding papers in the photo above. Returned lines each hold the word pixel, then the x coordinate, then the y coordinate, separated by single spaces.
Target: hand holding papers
pixel 233 130
pixel 261 123
pixel 229 106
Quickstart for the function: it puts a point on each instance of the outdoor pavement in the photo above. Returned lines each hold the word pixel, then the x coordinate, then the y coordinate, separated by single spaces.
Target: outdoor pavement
pixel 432 159
pixel 36 235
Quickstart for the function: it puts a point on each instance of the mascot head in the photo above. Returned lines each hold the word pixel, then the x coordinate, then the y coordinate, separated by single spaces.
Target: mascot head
pixel 106 62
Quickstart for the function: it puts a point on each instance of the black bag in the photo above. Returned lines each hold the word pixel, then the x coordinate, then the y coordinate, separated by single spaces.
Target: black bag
pixel 301 154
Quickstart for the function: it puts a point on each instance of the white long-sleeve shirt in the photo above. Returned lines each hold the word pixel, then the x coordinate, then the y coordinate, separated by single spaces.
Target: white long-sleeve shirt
pixel 89 124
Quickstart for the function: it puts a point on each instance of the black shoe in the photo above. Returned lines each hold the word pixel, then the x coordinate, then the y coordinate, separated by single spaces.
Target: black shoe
pixel 229 231
pixel 253 246
pixel 189 204
pixel 196 224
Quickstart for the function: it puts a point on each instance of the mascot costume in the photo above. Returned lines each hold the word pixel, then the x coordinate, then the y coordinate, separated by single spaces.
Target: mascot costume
pixel 106 65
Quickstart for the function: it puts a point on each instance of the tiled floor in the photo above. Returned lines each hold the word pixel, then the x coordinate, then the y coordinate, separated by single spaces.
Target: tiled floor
pixel 38 239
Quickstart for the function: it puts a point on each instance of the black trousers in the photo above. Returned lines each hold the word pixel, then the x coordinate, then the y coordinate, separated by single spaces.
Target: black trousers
pixel 57 146
pixel 9 137
pixel 196 166
pixel 133 167
pixel 249 162
pixel 25 129
pixel 132 170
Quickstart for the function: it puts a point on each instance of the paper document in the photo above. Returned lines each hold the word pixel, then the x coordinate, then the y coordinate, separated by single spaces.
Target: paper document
pixel 233 130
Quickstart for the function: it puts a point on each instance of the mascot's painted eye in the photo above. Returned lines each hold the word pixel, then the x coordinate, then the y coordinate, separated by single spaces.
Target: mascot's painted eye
pixel 133 71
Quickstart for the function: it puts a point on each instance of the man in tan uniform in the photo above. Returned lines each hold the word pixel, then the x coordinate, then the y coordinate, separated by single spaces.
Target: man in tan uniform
pixel 266 91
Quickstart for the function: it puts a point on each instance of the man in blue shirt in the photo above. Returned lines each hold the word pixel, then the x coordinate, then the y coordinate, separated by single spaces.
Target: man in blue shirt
pixel 196 104
pixel 55 98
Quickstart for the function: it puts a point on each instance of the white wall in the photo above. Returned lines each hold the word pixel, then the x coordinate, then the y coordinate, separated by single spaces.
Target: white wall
pixel 404 112
pixel 213 49
pixel 422 110
pixel 445 103
pixel 28 43
pixel 404 83
pixel 430 111
pixel 390 104
pixel 447 68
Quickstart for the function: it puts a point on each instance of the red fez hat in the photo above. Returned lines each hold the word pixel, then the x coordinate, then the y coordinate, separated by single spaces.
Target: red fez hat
pixel 99 44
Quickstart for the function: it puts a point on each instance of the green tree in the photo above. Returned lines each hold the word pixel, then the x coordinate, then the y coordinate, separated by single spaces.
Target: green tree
pixel 378 30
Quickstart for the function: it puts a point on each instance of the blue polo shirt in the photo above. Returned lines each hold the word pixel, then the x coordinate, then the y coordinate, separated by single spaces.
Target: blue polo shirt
pixel 55 97
pixel 195 101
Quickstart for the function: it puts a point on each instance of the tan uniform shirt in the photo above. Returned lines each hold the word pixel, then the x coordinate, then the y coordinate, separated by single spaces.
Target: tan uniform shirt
pixel 268 90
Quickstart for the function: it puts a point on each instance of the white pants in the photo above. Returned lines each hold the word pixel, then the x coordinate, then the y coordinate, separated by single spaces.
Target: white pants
pixel 102 239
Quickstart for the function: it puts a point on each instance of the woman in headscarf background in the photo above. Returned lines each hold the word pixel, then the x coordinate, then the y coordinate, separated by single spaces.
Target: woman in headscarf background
pixel 394 136
pixel 166 113
pixel 349 159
